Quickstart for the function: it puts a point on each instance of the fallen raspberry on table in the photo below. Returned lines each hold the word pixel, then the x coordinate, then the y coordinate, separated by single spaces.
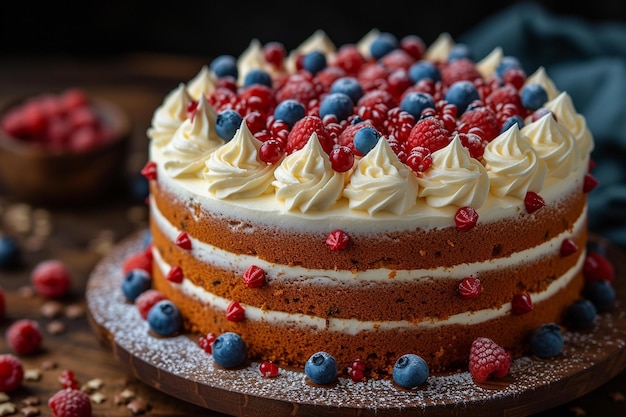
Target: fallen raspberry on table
pixel 70 402
pixel 24 337
pixel 11 373
pixel 488 359
pixel 51 278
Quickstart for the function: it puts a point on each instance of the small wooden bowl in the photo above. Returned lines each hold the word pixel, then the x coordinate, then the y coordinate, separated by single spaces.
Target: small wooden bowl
pixel 37 175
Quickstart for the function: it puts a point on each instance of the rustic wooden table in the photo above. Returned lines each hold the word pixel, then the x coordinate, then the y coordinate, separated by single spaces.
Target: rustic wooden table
pixel 82 236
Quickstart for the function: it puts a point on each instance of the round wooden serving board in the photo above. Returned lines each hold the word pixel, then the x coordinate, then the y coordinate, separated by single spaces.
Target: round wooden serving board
pixel 180 368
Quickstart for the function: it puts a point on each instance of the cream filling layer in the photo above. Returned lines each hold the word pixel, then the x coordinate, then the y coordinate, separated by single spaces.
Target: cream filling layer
pixel 353 326
pixel 238 263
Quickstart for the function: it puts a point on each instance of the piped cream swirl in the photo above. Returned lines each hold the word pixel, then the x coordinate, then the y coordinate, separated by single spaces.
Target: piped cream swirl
pixel 381 182
pixel 234 170
pixel 563 108
pixel 513 166
pixel 203 83
pixel 454 178
pixel 305 180
pixel 169 115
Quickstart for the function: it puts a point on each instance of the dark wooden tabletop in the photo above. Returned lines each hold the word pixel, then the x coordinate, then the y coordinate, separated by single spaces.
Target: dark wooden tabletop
pixel 82 236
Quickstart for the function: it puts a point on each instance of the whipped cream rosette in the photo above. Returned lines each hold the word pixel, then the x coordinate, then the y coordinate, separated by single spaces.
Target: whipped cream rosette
pixel 563 108
pixel 454 178
pixel 192 142
pixel 169 115
pixel 513 166
pixel 381 182
pixel 234 170
pixel 540 76
pixel 305 179
pixel 203 83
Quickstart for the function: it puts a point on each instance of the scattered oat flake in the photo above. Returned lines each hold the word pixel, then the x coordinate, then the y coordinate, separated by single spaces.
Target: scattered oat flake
pixel 98 398
pixel 51 309
pixel 49 365
pixel 578 411
pixel 74 311
pixel 55 327
pixel 95 383
pixel 617 396
pixel 32 375
pixel 7 409
pixel 31 400
pixel 26 291
pixel 128 394
pixel 30 411
pixel 138 406
pixel 4 397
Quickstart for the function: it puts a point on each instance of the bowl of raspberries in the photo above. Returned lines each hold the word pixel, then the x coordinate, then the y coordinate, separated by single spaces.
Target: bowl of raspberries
pixel 61 148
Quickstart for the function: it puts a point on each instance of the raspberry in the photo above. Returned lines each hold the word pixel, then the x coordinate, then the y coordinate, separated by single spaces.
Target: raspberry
pixel 302 131
pixel 465 218
pixel 298 88
pixel 428 133
pixel 24 337
pixel 598 267
pixel 206 342
pixel 398 124
pixel 474 143
pixel 378 96
pixel 419 159
pixel 349 59
pixel 507 94
pixel 397 59
pixel 11 373
pixel 533 202
pixel 483 118
pixel 70 402
pixel 146 300
pixel 470 287
pixel 346 138
pixel 487 359
pixel 140 260
pixel 459 70
pixel 51 279
pixel 372 76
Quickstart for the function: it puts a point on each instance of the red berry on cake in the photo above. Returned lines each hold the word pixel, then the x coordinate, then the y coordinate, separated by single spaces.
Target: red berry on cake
pixel 268 369
pixel 341 158
pixel 488 359
pixel 183 241
pixel 429 133
pixel 149 171
pixel 470 287
pixel 235 312
pixel 589 183
pixel 51 278
pixel 70 402
pixel 419 159
pixel 521 303
pixel 568 247
pixel 11 373
pixel 175 274
pixel 337 240
pixel 533 202
pixel 302 131
pixel 465 218
pixel 598 267
pixel 254 276
pixel 24 337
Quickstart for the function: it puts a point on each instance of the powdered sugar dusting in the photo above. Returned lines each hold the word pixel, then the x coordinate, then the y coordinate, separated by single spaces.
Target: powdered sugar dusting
pixel 181 357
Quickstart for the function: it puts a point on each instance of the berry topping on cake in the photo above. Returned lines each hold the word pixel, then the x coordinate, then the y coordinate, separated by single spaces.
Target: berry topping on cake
pixel 269 369
pixel 521 303
pixel 321 368
pixel 229 350
pixel 339 105
pixel 225 65
pixel 139 260
pixel 51 278
pixel 302 131
pixel 254 276
pixel 164 318
pixel 70 402
pixel 465 218
pixel 146 300
pixel 183 241
pixel 410 371
pixel 568 247
pixel 546 341
pixel 341 158
pixel 533 96
pixel 366 139
pixel 175 274
pixel 428 133
pixel 135 282
pixel 337 240
pixel 580 315
pixel 11 372
pixel 461 94
pixel 206 342
pixel 470 287
pixel 149 170
pixel 24 337
pixel 488 359
pixel 227 123
pixel 235 312
pixel 590 183
pixel 533 202
pixel 598 267
pixel 290 111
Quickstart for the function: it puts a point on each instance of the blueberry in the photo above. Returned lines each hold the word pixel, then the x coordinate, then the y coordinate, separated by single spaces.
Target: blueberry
pixel 460 51
pixel 339 104
pixel 321 368
pixel 10 252
pixel 349 86
pixel 365 139
pixel 461 94
pixel 533 96
pixel 580 315
pixel 227 123
pixel 546 341
pixel 384 43
pixel 229 350
pixel 424 70
pixel 135 282
pixel 601 294
pixel 289 111
pixel 314 61
pixel 225 65
pixel 257 76
pixel 410 371
pixel 415 102
pixel 506 63
pixel 511 121
pixel 164 318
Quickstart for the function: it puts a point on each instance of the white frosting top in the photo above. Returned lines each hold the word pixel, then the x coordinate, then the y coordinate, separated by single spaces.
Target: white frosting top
pixel 169 115
pixel 203 83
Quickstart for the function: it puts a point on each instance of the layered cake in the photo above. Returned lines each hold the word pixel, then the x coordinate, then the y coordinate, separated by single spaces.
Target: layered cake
pixel 369 201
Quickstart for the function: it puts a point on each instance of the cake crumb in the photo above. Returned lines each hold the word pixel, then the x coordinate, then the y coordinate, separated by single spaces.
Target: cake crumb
pixel 617 396
pixel 4 397
pixel 31 400
pixel 30 411
pixel 98 398
pixel 51 309
pixel 74 311
pixel 138 406
pixel 32 375
pixel 7 409
pixel 578 411
pixel 55 327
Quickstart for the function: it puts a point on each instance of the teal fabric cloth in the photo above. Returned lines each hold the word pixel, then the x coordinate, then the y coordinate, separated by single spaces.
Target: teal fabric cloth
pixel 588 60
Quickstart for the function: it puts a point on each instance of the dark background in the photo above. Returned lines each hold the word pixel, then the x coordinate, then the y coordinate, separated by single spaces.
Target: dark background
pixel 210 28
